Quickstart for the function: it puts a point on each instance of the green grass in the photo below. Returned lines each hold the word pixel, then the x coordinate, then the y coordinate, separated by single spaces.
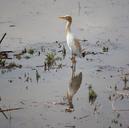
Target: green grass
pixel 50 59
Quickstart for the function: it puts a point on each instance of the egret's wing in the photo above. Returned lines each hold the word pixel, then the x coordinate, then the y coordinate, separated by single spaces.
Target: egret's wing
pixel 78 46
pixel 77 43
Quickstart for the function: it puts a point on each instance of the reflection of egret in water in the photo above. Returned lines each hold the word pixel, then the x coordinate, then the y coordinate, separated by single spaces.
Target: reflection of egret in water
pixel 74 85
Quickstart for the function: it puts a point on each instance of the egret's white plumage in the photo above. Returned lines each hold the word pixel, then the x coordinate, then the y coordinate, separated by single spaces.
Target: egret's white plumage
pixel 73 43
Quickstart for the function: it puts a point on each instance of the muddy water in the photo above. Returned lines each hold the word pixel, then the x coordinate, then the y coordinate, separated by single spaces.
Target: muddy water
pixel 103 24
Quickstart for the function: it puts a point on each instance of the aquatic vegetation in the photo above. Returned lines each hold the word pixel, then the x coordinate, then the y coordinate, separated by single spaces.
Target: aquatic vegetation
pixel 37 76
pixel 8 65
pixel 92 95
pixel 3 71
pixel 4 54
pixel 24 51
pixel 18 56
pixel 31 51
pixel 64 51
pixel 27 57
pixel 83 54
pixel 2 62
pixel 125 80
pixel 105 49
pixel 13 65
pixel 50 60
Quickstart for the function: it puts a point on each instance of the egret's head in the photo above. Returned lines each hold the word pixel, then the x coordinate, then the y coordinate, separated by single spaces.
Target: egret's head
pixel 66 17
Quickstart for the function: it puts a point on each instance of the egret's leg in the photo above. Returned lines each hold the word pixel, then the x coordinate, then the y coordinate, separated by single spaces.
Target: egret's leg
pixel 73 65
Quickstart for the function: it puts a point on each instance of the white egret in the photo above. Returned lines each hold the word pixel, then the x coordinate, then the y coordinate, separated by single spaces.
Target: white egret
pixel 73 43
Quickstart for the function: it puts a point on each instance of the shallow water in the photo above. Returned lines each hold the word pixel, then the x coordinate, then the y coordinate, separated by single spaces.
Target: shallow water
pixel 42 100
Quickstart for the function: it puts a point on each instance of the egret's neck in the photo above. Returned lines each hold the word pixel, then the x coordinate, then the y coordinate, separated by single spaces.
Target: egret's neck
pixel 67 28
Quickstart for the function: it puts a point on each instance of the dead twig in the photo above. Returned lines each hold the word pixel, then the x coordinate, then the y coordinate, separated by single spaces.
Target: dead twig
pixel 11 109
pixel 72 126
pixel 6 52
pixel 2 38
pixel 40 66
pixel 83 117
pixel 3 113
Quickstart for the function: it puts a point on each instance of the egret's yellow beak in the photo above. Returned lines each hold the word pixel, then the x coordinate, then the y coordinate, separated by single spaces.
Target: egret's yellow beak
pixel 62 17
